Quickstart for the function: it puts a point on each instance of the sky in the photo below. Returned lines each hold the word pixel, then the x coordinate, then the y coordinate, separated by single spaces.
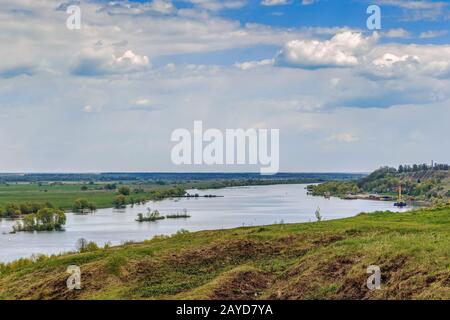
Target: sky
pixel 108 96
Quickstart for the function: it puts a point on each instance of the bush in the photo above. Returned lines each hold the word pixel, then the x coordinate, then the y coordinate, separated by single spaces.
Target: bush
pixel 82 205
pixel 150 216
pixel 124 191
pixel 120 201
pixel 11 210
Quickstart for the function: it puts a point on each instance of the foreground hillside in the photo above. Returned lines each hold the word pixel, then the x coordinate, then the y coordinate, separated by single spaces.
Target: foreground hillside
pixel 324 260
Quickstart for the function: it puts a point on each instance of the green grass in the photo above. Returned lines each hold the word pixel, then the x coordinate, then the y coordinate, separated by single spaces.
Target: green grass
pixel 324 260
pixel 63 196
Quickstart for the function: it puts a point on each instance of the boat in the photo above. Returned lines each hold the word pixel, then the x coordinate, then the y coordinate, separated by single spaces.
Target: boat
pixel 400 202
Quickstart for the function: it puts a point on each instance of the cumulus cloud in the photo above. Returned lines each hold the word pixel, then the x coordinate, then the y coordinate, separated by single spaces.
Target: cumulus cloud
pixel 376 61
pixel 97 62
pixel 342 50
pixel 405 82
pixel 389 66
pixel 410 61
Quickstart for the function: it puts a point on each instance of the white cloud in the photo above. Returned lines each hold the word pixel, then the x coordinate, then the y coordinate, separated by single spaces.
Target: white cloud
pixel 390 66
pixel 127 7
pixel 370 59
pixel 411 62
pixel 397 33
pixel 274 2
pixel 254 64
pixel 432 34
pixel 97 62
pixel 414 4
pixel 407 83
pixel 415 10
pixel 216 5
pixel 342 50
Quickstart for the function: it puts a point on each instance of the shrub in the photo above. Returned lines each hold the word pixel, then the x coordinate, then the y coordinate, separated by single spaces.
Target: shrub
pixel 120 201
pixel 82 205
pixel 124 191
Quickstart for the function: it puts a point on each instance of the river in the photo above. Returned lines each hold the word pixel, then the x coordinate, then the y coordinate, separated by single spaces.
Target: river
pixel 239 206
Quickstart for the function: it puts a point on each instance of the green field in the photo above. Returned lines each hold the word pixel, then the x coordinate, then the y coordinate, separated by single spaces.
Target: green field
pixel 64 195
pixel 322 260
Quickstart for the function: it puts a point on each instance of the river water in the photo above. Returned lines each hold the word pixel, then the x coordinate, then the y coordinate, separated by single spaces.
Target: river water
pixel 239 206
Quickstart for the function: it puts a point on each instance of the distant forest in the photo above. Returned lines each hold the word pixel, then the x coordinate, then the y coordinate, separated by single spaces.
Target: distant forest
pixel 164 178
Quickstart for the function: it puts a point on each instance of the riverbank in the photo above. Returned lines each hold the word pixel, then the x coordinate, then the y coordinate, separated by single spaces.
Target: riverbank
pixel 63 194
pixel 238 206
pixel 322 260
pixel 427 186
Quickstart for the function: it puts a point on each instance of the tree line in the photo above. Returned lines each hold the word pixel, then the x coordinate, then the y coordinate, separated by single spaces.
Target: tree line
pixel 422 167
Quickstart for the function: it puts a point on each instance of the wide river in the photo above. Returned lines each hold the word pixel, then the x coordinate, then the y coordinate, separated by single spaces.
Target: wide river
pixel 239 206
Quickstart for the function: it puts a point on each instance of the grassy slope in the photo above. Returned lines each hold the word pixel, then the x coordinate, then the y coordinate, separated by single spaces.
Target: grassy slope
pixel 325 260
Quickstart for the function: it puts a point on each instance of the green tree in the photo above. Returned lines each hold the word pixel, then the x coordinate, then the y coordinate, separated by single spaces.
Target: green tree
pixel 119 201
pixel 81 205
pixel 124 190
pixel 11 210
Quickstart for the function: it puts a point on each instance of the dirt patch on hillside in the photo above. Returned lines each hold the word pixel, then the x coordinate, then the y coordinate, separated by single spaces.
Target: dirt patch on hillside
pixel 241 285
pixel 223 251
pixel 312 280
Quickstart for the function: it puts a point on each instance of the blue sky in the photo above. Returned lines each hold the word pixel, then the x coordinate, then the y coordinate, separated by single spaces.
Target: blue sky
pixel 107 97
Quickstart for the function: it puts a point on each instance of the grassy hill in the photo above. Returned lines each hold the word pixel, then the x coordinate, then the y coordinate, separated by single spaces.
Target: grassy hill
pixel 323 260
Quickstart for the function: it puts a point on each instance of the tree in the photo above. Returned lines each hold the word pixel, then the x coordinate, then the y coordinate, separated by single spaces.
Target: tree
pixel 11 210
pixel 119 201
pixel 84 188
pixel 110 186
pixel 81 244
pixel 317 214
pixel 124 190
pixel 81 205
